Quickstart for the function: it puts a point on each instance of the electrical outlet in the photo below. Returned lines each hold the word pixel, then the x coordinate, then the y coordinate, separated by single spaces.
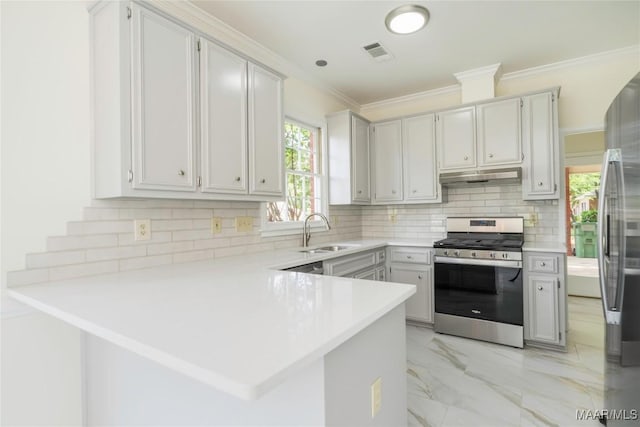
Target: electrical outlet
pixel 216 225
pixel 334 220
pixel 244 223
pixel 393 218
pixel 142 229
pixel 376 397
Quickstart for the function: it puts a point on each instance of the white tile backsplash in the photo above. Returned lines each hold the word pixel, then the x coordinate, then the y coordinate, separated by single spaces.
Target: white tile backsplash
pixel 103 242
pixel 181 230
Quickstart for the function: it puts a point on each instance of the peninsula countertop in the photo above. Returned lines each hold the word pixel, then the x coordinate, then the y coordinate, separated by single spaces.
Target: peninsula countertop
pixel 235 323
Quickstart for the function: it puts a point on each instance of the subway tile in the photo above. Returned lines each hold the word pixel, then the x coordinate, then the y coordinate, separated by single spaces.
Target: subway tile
pixel 168 248
pixel 192 213
pixel 211 243
pixel 128 239
pixel 192 256
pixel 50 259
pixel 27 277
pixel 230 251
pixel 190 235
pixel 119 252
pixel 146 213
pixel 78 228
pixel 145 262
pixel 64 243
pixel 82 270
pixel 171 224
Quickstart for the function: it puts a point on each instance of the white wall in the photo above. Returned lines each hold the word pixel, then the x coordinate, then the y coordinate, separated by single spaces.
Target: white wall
pixel 44 183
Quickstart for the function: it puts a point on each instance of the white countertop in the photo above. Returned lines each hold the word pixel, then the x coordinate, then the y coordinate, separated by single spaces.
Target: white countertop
pixel 544 247
pixel 234 323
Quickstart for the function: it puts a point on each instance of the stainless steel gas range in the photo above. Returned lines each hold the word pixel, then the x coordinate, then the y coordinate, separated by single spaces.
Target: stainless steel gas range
pixel 478 280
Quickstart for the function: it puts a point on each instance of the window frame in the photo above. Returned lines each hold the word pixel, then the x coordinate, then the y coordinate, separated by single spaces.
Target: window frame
pixel 269 229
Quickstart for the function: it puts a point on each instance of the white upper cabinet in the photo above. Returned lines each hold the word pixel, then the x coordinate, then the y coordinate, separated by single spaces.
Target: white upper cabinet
pixel 266 158
pixel 349 156
pixel 148 97
pixel 499 133
pixel 387 161
pixel 163 103
pixel 540 144
pixel 360 164
pixel 223 109
pixel 419 167
pixel 456 136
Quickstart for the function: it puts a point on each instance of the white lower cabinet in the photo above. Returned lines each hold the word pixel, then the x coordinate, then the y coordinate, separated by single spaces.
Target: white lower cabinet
pixel 412 265
pixel 545 299
pixel 361 265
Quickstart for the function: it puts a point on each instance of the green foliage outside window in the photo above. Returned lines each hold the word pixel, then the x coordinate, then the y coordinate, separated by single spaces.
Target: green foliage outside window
pixel 303 175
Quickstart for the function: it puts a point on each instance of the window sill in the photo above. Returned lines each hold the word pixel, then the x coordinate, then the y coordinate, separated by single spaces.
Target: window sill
pixel 290 229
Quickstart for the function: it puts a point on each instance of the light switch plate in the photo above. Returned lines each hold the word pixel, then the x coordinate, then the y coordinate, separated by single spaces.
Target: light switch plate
pixel 244 223
pixel 142 229
pixel 376 397
pixel 216 225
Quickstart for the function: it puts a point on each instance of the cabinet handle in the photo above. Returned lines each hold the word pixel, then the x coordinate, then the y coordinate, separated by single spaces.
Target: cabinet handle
pixel 181 172
pixel 542 264
pixel 420 276
pixel 237 179
pixel 409 257
pixel 490 156
pixel 262 181
pixel 539 288
pixel 359 191
pixel 414 191
pixel 466 157
pixel 393 191
pixel 540 184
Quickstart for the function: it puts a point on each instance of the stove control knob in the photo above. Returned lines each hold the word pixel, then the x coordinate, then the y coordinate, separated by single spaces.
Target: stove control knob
pixel 457 253
pixel 446 253
pixel 473 254
pixel 505 255
pixel 492 254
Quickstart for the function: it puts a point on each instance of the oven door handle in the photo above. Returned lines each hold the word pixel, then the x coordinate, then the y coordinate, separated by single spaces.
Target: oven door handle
pixel 486 262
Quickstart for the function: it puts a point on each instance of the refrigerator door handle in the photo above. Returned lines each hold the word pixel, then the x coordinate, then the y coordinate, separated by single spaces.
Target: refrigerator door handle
pixel 611 314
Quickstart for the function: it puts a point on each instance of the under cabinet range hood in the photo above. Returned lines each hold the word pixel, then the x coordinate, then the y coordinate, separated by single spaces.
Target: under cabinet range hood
pixel 506 176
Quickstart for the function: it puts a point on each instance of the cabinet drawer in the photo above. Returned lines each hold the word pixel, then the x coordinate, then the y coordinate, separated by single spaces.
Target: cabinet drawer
pixel 349 264
pixel 411 255
pixel 542 264
pixel 381 256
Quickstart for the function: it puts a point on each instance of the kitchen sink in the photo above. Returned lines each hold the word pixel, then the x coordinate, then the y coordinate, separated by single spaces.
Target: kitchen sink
pixel 325 249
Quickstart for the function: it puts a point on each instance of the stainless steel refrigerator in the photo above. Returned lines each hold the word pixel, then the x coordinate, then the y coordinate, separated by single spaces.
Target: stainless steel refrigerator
pixel 619 255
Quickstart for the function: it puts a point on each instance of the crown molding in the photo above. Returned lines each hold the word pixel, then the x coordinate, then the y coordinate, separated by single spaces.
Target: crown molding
pixel 224 33
pixel 575 62
pixel 411 97
pixel 494 71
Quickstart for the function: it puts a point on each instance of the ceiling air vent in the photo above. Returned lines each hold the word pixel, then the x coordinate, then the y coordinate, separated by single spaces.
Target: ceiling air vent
pixel 377 52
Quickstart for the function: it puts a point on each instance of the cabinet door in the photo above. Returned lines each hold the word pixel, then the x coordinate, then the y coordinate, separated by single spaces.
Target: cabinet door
pixel 387 161
pixel 419 145
pixel 360 160
pixel 456 138
pixel 539 143
pixel 543 308
pixel 367 275
pixel 498 133
pixel 163 100
pixel 420 305
pixel 223 101
pixel 266 159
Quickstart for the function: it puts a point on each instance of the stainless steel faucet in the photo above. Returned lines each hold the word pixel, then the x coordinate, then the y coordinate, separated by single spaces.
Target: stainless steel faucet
pixel 306 230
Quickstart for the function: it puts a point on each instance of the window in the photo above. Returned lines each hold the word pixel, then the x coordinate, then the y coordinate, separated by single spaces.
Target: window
pixel 305 186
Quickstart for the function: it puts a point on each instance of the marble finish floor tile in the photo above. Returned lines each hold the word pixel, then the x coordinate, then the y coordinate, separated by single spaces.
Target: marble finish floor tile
pixel 455 381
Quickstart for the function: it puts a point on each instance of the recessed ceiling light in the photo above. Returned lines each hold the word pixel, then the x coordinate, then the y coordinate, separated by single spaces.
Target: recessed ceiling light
pixel 407 19
pixel 321 63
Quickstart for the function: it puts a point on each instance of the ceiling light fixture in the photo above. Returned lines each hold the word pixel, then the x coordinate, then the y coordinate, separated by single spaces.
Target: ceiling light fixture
pixel 321 63
pixel 407 19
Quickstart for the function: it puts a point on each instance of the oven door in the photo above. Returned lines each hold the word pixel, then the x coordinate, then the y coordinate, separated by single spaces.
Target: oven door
pixel 480 289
